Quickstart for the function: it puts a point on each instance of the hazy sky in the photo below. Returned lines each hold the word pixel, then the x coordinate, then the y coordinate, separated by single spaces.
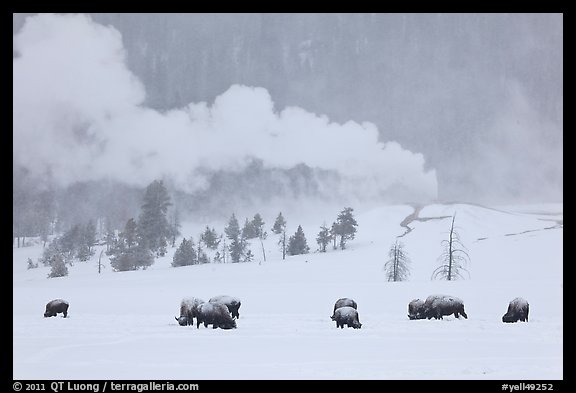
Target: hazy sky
pixel 450 127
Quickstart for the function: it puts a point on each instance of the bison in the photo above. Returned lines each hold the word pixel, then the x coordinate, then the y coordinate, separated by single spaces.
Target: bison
pixel 346 316
pixel 188 310
pixel 517 311
pixel 232 303
pixel 436 306
pixel 416 309
pixel 56 306
pixel 215 314
pixel 345 302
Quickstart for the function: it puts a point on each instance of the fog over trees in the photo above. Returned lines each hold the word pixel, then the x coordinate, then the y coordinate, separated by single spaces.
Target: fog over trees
pixel 474 100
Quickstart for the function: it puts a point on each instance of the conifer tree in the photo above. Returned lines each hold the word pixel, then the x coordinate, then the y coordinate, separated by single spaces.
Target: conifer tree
pixel 185 254
pixel 297 243
pixel 153 226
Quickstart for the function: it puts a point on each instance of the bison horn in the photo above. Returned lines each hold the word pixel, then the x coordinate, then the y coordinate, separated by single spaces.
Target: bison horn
pixel 177 319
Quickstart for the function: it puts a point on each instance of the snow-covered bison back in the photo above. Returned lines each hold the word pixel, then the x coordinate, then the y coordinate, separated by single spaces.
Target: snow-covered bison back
pixel 345 302
pixel 215 314
pixel 416 309
pixel 56 306
pixel 188 310
pixel 437 306
pixel 517 311
pixel 346 316
pixel 231 302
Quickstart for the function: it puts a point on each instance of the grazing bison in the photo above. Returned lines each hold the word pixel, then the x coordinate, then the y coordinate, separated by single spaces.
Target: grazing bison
pixel 215 314
pixel 416 309
pixel 346 316
pixel 188 310
pixel 232 303
pixel 345 302
pixel 436 306
pixel 517 311
pixel 56 306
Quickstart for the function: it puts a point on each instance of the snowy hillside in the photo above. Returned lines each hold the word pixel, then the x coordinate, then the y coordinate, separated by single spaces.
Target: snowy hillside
pixel 121 324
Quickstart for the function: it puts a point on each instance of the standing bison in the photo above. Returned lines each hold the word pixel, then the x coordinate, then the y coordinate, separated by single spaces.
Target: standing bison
pixel 437 306
pixel 215 314
pixel 345 302
pixel 346 316
pixel 232 303
pixel 517 311
pixel 56 306
pixel 416 309
pixel 188 310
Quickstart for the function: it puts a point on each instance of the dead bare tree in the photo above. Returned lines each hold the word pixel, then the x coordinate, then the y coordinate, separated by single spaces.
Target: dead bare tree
pixel 397 266
pixel 453 258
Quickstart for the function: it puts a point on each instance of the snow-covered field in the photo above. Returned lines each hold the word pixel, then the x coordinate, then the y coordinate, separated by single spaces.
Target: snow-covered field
pixel 121 324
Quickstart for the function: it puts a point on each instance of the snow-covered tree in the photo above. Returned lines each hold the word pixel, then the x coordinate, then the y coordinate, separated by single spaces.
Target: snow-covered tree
pixel 58 266
pixel 453 258
pixel 297 243
pixel 210 238
pixel 279 228
pixel 237 245
pixel 185 254
pixel 397 265
pixel 153 225
pixel 345 226
pixel 324 237
pixel 128 252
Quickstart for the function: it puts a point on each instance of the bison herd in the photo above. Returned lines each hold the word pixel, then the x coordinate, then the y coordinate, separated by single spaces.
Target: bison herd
pixel 219 311
pixel 222 311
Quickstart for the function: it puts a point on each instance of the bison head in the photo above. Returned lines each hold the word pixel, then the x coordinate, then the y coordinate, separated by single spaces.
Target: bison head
pixel 182 321
pixel 508 318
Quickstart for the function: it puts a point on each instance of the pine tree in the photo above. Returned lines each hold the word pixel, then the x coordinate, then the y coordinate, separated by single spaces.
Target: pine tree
pixel 174 228
pixel 258 225
pixel 237 245
pixel 128 252
pixel 210 238
pixel 58 266
pixel 153 225
pixel 279 224
pixel 323 238
pixel 346 226
pixel 279 228
pixel 248 231
pixel 334 235
pixel 297 243
pixel 397 266
pixel 185 254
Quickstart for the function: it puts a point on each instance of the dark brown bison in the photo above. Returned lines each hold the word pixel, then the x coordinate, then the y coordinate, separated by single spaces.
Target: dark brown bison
pixel 517 311
pixel 436 306
pixel 232 303
pixel 215 314
pixel 56 306
pixel 346 316
pixel 188 310
pixel 345 302
pixel 416 309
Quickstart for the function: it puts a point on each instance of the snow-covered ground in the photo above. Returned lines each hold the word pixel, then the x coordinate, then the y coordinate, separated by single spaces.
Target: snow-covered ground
pixel 121 324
